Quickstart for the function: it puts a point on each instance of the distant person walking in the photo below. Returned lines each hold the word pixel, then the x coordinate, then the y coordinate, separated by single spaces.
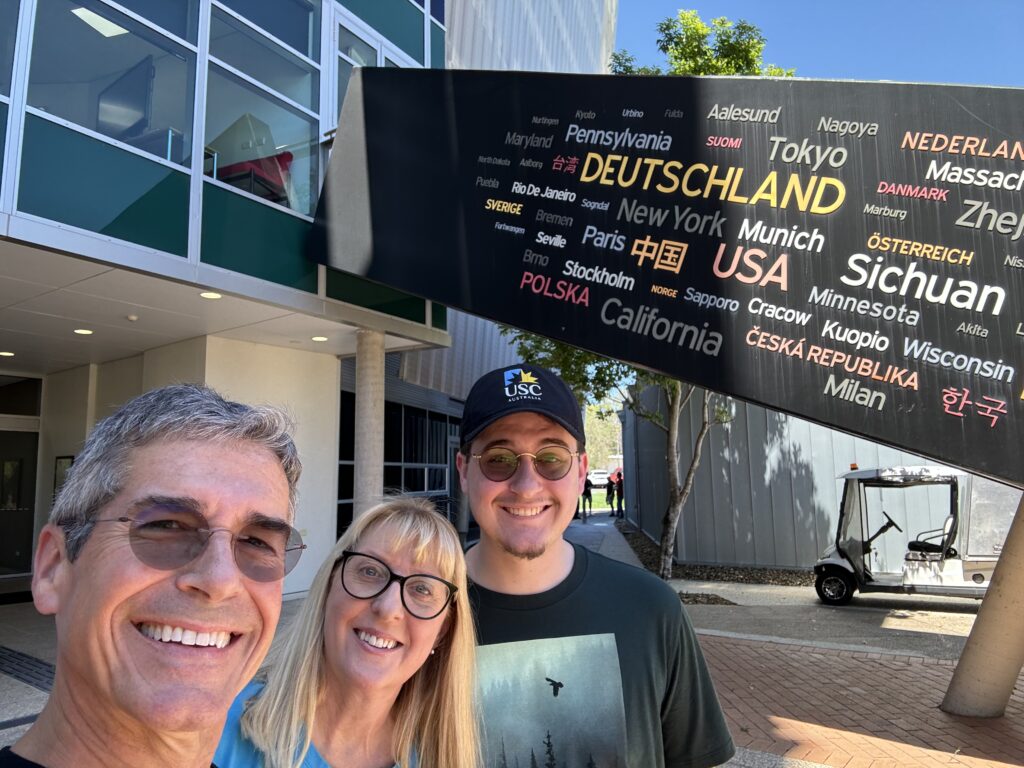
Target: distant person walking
pixel 588 497
pixel 609 495
pixel 619 493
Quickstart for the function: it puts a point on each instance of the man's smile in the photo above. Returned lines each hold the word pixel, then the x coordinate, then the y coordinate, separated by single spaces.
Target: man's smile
pixel 167 633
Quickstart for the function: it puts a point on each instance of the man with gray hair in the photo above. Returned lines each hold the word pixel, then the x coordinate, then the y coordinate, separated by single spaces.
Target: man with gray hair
pixel 160 621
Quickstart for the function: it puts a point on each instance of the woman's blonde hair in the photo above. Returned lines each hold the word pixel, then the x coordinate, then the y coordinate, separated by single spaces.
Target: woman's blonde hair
pixel 434 713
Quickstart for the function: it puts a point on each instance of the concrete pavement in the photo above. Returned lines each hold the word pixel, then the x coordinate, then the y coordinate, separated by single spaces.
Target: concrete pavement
pixel 803 685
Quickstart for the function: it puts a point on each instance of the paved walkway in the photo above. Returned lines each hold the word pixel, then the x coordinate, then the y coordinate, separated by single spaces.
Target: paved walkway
pixel 798 703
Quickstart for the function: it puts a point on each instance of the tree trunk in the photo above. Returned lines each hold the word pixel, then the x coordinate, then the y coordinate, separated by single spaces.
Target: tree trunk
pixel 678 493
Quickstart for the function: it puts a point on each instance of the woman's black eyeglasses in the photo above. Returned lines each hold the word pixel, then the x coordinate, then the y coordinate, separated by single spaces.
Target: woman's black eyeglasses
pixel 364 577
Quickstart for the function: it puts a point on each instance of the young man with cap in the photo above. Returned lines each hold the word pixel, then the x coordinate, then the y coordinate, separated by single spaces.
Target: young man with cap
pixel 584 660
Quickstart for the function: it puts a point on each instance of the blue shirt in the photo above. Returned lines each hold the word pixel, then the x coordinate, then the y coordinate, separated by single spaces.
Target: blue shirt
pixel 236 751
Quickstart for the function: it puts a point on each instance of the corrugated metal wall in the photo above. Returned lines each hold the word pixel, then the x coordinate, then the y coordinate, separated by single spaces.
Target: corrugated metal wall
pixel 532 35
pixel 398 390
pixel 766 492
pixel 477 347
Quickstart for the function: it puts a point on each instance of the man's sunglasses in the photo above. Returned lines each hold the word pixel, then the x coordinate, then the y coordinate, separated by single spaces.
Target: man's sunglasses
pixel 167 538
pixel 500 464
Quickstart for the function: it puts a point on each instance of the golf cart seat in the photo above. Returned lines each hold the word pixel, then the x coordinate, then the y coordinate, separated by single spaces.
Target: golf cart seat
pixel 938 541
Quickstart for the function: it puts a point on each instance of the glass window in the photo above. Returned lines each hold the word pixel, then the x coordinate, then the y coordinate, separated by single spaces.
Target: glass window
pixel 361 53
pixel 346 480
pixel 8 31
pixel 178 16
pixel 414 480
pixel 344 518
pixel 259 144
pixel 344 75
pixel 436 479
pixel 437 445
pixel 397 21
pixel 436 47
pixel 106 72
pixel 347 431
pixel 293 22
pixel 392 431
pixel 392 477
pixel 248 51
pixel 415 435
pixel 353 52
pixel 437 10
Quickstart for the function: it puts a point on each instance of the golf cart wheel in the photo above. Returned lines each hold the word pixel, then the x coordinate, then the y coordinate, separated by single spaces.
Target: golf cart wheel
pixel 834 587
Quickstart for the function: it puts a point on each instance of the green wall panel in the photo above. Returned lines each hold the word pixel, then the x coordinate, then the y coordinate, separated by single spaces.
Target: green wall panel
pixel 436 47
pixel 355 290
pixel 3 137
pixel 439 316
pixel 249 237
pixel 72 178
pixel 398 20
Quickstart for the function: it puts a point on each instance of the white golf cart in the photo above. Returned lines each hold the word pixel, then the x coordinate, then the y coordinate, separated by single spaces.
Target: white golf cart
pixel 957 523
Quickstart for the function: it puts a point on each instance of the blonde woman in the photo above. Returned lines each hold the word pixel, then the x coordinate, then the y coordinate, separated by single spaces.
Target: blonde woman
pixel 377 669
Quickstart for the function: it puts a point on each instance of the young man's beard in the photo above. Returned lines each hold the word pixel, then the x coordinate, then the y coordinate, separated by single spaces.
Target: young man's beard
pixel 532 553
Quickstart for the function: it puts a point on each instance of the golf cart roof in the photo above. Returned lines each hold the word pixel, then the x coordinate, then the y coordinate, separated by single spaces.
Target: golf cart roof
pixel 900 475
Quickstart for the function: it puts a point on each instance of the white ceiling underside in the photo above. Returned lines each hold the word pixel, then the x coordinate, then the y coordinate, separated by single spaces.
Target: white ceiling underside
pixel 45 296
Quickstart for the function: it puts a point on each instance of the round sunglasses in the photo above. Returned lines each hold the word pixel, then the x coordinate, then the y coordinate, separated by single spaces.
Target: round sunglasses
pixel 168 538
pixel 500 464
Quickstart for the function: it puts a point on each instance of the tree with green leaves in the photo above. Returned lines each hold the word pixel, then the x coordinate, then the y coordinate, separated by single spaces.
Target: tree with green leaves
pixel 604 434
pixel 695 48
pixel 691 47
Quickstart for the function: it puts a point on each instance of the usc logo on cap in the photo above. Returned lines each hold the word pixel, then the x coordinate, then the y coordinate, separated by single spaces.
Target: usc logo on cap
pixel 521 383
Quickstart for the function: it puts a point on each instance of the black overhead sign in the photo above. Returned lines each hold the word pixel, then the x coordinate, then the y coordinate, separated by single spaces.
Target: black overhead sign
pixel 851 253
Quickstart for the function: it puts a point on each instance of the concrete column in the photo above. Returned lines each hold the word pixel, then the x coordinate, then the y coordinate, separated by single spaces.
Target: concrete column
pixel 369 421
pixel 994 653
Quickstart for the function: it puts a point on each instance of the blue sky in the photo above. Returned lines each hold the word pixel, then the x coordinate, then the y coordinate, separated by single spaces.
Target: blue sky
pixel 925 41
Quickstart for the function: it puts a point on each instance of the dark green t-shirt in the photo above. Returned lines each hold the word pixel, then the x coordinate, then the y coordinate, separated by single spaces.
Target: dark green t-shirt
pixel 10 760
pixel 604 669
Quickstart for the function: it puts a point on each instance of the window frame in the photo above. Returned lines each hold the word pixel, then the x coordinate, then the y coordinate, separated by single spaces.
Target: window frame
pixel 91 133
pixel 383 46
pixel 273 95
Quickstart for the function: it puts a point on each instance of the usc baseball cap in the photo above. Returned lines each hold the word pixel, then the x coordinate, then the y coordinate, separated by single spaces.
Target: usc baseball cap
pixel 516 388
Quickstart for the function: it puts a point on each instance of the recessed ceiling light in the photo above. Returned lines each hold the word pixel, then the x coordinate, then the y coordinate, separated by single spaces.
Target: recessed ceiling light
pixel 104 26
pixel 83 331
pixel 6 354
pixel 211 295
pixel 319 338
